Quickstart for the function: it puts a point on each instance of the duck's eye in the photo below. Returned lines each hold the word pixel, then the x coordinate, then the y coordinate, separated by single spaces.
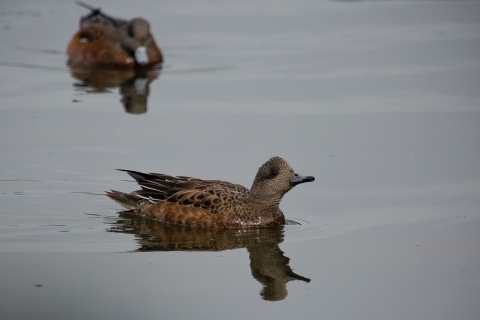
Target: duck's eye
pixel 273 173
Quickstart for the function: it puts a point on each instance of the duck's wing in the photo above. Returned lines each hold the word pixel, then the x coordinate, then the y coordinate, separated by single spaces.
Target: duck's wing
pixel 212 195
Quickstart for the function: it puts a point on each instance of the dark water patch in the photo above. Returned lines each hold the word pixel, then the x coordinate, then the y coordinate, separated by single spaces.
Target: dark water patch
pixel 19 180
pixel 195 70
pixel 45 51
pixel 20 14
pixel 86 193
pixel 31 66
pixel 52 225
pixel 93 215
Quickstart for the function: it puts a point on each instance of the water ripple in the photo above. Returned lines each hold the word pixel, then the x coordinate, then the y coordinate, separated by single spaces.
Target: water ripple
pixel 305 227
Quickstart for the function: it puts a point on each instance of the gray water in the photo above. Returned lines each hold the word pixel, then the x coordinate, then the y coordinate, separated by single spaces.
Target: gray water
pixel 379 100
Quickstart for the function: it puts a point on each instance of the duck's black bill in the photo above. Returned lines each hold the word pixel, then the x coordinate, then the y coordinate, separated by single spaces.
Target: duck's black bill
pixel 298 178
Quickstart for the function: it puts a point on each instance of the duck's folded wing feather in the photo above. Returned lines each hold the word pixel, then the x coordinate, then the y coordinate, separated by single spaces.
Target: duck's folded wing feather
pixel 211 195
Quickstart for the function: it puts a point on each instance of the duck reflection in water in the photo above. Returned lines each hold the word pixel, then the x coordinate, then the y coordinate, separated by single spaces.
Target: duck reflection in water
pixel 133 84
pixel 268 263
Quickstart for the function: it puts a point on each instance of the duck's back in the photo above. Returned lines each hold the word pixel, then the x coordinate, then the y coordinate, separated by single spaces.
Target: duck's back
pixel 97 46
pixel 184 200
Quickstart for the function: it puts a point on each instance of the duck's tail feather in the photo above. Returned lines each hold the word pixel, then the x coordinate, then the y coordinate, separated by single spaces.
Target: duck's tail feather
pixel 96 12
pixel 86 6
pixel 126 200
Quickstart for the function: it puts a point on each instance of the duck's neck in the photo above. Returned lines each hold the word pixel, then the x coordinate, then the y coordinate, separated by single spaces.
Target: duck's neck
pixel 263 199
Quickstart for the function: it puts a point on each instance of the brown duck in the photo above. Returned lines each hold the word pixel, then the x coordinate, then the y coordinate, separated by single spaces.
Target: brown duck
pixel 111 42
pixel 212 203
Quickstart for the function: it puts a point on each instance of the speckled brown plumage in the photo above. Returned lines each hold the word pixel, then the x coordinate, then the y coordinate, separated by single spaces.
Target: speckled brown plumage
pixel 106 41
pixel 213 203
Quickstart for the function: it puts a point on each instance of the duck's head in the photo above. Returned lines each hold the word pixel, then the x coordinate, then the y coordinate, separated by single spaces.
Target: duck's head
pixel 137 39
pixel 275 178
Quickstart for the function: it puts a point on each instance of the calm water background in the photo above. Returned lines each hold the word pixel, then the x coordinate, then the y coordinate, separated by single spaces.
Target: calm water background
pixel 380 101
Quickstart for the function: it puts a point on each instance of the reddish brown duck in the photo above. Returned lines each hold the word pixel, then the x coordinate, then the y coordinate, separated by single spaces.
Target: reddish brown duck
pixel 213 203
pixel 111 42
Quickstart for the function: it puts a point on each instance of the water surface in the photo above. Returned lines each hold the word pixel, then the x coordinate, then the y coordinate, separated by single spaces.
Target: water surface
pixel 378 100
